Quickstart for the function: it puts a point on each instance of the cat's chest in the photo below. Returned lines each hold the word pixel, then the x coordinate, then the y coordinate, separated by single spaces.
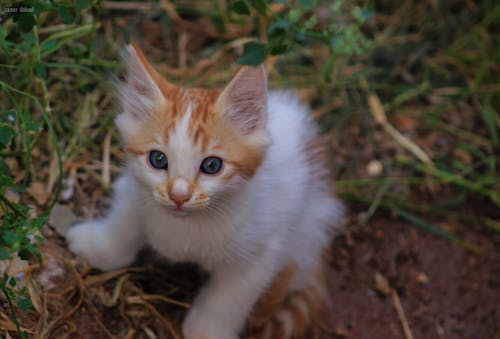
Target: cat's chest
pixel 205 242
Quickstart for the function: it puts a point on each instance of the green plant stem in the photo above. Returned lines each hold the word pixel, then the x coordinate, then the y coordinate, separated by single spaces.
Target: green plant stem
pixel 394 206
pixel 13 207
pixel 12 309
pixel 51 133
pixel 446 177
pixel 436 230
pixel 378 181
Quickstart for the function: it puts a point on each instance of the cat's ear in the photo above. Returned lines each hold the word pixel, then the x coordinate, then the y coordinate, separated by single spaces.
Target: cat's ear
pixel 140 95
pixel 243 101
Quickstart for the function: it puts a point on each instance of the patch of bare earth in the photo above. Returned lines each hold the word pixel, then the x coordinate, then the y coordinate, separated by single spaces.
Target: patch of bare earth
pixel 445 291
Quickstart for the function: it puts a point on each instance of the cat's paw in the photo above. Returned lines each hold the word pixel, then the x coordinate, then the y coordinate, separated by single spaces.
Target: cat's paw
pixel 90 241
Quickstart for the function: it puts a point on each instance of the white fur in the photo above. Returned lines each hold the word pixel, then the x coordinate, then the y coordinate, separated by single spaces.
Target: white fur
pixel 283 214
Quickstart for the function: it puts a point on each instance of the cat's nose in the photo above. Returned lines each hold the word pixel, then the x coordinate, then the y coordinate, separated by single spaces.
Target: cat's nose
pixel 179 199
pixel 179 192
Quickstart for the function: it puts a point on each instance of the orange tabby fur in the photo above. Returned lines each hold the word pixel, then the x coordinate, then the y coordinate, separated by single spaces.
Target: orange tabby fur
pixel 257 225
pixel 302 307
pixel 206 124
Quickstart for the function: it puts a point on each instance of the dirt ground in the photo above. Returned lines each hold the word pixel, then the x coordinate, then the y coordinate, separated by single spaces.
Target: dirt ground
pixel 445 291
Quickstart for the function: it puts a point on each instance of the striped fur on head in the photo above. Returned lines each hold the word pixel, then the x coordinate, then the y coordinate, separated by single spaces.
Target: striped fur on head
pixel 189 125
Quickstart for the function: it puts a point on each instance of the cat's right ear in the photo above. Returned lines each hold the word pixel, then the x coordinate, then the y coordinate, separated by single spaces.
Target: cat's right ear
pixel 140 95
pixel 243 101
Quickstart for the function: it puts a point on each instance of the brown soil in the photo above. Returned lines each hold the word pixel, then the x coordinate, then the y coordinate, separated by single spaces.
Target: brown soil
pixel 445 291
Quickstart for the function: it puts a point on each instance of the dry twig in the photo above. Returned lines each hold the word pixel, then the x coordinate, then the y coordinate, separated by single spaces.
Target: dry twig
pixel 401 315
pixel 380 117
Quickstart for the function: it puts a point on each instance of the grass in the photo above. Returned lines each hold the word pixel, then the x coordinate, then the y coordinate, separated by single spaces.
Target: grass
pixel 432 67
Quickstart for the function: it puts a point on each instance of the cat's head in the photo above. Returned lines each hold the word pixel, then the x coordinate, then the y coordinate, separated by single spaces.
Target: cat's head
pixel 192 148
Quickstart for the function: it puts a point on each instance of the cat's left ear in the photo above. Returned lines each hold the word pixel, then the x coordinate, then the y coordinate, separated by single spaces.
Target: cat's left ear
pixel 140 95
pixel 243 101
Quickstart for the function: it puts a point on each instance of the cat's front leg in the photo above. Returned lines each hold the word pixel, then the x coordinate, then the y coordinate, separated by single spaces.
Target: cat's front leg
pixel 114 241
pixel 220 310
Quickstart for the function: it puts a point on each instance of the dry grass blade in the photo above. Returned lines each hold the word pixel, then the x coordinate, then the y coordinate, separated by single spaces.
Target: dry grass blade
pixel 106 155
pixel 401 315
pixel 34 294
pixel 167 300
pixel 101 278
pixel 10 326
pixel 381 118
pixel 152 309
pixel 127 5
pixel 45 332
pixel 186 25
pixel 208 30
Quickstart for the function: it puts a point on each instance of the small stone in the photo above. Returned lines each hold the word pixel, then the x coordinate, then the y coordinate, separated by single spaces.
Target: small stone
pixel 382 284
pixel 61 218
pixel 68 189
pixel 374 168
pixel 422 278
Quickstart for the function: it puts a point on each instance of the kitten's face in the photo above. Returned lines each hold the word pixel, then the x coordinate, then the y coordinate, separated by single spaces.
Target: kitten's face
pixel 192 148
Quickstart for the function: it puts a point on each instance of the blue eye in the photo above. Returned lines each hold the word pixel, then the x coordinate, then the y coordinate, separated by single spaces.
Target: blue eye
pixel 211 165
pixel 158 160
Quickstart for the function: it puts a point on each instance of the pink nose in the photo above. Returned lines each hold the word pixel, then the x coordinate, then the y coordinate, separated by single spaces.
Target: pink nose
pixel 179 199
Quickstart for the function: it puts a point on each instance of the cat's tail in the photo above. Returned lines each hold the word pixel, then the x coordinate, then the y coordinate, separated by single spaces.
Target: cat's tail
pixel 285 314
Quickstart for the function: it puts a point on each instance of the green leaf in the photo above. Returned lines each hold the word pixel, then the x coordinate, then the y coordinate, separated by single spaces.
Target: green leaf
pixel 278 49
pixel 38 222
pixel 4 180
pixel 6 135
pixel 294 15
pixel 260 6
pixel 278 29
pixel 219 23
pixel 3 169
pixel 41 7
pixel 300 37
pixel 18 188
pixel 4 253
pixel 8 116
pixel 328 69
pixel 241 7
pixel 3 33
pixel 307 4
pixel 25 21
pixel 254 53
pixel 82 4
pixel 40 70
pixel 48 46
pixel 24 304
pixel 28 251
pixel 65 14
pixel 9 238
pixel 28 43
pixel 490 118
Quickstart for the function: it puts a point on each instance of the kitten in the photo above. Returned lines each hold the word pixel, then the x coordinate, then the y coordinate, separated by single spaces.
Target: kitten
pixel 231 180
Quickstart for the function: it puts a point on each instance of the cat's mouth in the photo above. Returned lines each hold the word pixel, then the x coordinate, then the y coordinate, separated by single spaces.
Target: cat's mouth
pixel 182 209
